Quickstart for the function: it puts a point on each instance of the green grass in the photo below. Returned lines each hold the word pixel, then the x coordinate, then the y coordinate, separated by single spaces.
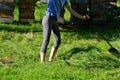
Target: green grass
pixel 82 55
pixel 118 3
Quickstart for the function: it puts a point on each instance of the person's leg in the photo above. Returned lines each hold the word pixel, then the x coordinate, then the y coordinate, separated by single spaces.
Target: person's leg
pixel 46 36
pixel 42 57
pixel 52 54
pixel 56 34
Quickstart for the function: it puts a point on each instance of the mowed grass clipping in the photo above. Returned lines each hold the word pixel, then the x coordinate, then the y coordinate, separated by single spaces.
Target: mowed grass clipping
pixel 83 55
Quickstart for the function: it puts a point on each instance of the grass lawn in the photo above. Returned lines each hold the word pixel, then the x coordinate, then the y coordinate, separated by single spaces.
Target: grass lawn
pixel 83 54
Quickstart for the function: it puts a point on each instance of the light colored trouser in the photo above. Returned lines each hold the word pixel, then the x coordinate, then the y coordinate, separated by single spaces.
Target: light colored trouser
pixel 50 25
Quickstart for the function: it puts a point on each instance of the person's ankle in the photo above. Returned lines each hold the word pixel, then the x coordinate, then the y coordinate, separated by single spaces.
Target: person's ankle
pixel 50 60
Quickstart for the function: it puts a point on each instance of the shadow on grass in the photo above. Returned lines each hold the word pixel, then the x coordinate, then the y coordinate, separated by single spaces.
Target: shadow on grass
pixel 99 60
pixel 21 27
pixel 111 32
pixel 75 51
